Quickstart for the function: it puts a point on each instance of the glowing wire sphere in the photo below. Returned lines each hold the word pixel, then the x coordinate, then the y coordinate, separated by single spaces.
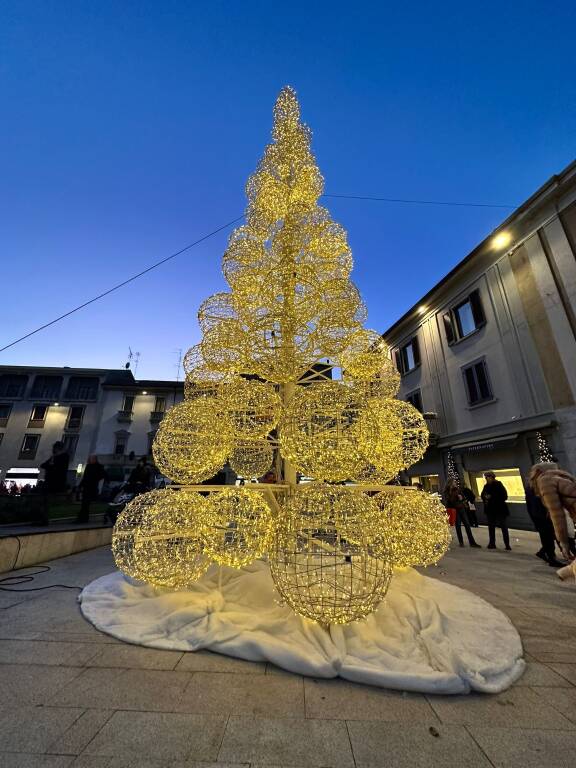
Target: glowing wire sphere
pixel 320 431
pixel 253 407
pixel 414 527
pixel 415 435
pixel 251 458
pixel 317 569
pixel 187 447
pixel 169 546
pixel 381 446
pixel 158 538
pixel 364 356
pixel 239 527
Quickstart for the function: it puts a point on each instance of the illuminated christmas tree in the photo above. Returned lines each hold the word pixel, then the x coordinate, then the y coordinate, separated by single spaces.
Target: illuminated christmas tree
pixel 545 454
pixel 287 377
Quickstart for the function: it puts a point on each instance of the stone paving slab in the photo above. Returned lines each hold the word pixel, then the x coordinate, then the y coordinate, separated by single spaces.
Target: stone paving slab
pixel 71 697
pixel 414 746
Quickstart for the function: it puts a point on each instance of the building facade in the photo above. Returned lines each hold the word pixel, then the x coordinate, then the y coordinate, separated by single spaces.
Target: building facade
pixel 93 411
pixel 489 354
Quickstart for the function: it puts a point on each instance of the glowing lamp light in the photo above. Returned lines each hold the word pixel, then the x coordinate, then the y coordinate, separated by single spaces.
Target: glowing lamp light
pixel 501 240
pixel 144 393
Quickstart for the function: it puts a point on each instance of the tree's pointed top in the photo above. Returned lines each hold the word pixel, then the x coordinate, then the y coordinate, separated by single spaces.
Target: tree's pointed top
pixel 287 108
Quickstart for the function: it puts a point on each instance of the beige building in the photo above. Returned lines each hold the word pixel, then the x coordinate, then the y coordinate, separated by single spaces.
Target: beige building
pixel 489 354
pixel 106 412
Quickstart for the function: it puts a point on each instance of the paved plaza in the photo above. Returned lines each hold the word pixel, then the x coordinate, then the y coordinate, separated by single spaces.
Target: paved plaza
pixel 71 697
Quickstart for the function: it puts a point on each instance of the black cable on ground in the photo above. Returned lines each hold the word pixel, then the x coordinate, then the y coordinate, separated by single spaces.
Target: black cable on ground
pixel 26 578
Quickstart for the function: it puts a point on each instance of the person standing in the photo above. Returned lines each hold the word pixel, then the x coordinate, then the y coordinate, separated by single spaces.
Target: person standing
pixel 55 477
pixel 89 485
pixel 543 525
pixel 141 474
pixel 557 489
pixel 494 496
pixel 453 498
pixel 470 497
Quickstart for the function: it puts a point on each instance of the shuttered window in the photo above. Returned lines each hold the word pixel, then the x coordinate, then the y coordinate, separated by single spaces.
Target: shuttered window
pixel 408 356
pixel 465 318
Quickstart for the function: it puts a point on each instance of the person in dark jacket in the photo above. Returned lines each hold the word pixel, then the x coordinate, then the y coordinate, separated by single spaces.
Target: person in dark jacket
pixel 141 474
pixel 470 497
pixel 494 496
pixel 89 484
pixel 543 525
pixel 55 477
pixel 453 498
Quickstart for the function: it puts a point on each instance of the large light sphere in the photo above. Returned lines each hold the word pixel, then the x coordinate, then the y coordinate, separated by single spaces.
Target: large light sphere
pixel 319 571
pixel 158 538
pixel 414 527
pixel 253 407
pixel 169 546
pixel 415 435
pixel 251 458
pixel 363 357
pixel 320 431
pixel 193 441
pixel 381 446
pixel 239 528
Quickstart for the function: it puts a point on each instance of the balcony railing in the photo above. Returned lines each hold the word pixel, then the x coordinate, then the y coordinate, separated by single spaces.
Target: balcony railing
pixel 156 416
pixel 124 416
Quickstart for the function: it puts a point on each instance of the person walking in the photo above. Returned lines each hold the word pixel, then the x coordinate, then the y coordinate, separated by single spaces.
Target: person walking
pixel 89 485
pixel 494 496
pixel 557 489
pixel 55 478
pixel 543 525
pixel 453 498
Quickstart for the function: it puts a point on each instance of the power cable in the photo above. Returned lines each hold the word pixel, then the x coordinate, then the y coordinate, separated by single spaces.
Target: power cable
pixel 26 578
pixel 419 202
pixel 120 285
pixel 215 232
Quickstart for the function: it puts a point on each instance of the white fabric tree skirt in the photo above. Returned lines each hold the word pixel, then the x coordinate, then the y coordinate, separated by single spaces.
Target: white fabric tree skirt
pixel 426 636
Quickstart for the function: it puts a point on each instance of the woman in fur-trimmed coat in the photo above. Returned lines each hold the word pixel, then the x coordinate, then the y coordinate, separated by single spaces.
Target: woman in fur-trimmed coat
pixel 557 490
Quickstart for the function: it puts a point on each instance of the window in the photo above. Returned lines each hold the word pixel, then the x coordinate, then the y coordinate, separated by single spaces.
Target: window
pixel 477 383
pixel 38 416
pixel 160 405
pixel 415 398
pixel 465 318
pixel 82 388
pixel 5 411
pixel 429 483
pixel 13 385
pixel 75 417
pixel 46 387
pixel 120 443
pixel 511 479
pixel 29 446
pixel 128 404
pixel 70 443
pixel 1 437
pixel 408 356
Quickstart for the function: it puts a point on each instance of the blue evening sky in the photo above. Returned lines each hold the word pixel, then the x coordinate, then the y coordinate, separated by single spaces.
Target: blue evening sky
pixel 129 129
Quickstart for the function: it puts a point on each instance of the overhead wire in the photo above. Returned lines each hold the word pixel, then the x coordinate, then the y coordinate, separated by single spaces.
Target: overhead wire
pixel 215 232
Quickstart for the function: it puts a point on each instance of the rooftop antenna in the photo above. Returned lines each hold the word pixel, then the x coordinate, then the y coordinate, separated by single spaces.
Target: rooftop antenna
pixel 179 363
pixel 132 356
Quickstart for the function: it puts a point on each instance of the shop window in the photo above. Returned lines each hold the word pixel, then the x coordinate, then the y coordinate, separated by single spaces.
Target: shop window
pixel 38 416
pixel 29 446
pixel 429 483
pixel 82 388
pixel 511 479
pixel 415 399
pixel 75 417
pixel 464 318
pixel 408 356
pixel 46 387
pixel 5 411
pixel 477 383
